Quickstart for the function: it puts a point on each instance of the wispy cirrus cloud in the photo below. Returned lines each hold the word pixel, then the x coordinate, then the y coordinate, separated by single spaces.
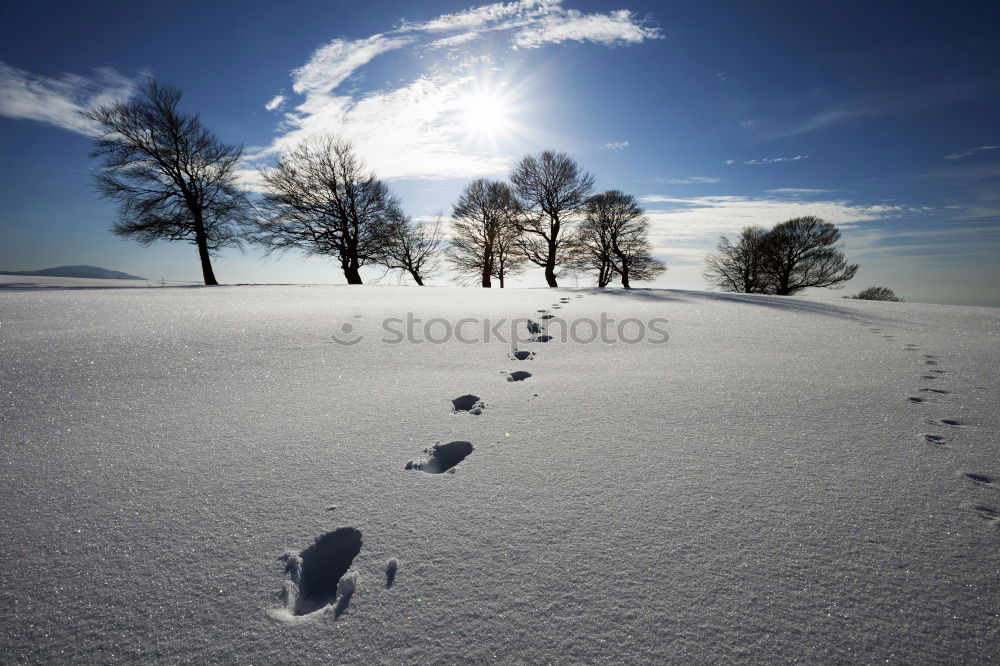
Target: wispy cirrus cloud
pixel 883 105
pixel 690 180
pixel 971 151
pixel 616 145
pixel 704 218
pixel 275 103
pixel 798 191
pixel 60 100
pixel 770 160
pixel 409 129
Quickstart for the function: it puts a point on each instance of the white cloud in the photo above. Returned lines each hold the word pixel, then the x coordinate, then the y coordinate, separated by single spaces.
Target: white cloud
pixel 331 64
pixel 773 160
pixel 704 218
pixel 275 102
pixel 613 29
pixel 970 151
pixel 691 180
pixel 408 129
pixel 797 191
pixel 485 16
pixel 616 145
pixel 60 100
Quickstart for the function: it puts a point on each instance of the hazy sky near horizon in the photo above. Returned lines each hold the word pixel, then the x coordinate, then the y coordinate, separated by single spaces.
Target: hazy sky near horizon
pixel 881 117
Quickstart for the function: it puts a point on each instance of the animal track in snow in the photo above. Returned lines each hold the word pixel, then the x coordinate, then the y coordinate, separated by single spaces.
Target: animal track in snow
pixel 982 480
pixel 955 423
pixel 548 316
pixel 472 404
pixel 936 440
pixel 518 376
pixel 534 328
pixel 320 575
pixel 930 362
pixel 521 355
pixel 917 400
pixel 541 338
pixel 442 457
pixel 932 390
pixel 937 372
pixel 929 377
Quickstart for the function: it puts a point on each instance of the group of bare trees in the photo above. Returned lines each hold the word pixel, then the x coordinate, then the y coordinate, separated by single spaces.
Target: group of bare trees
pixel 794 255
pixel 174 180
pixel 547 216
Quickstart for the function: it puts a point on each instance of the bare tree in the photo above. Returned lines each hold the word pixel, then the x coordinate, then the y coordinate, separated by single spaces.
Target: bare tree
pixel 485 220
pixel 613 239
pixel 876 294
pixel 321 199
pixel 805 252
pixel 171 177
pixel 412 248
pixel 552 189
pixel 739 267
pixel 508 259
pixel 591 251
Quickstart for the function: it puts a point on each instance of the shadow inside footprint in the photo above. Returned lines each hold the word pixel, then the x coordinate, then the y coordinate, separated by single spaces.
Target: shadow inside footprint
pixel 522 355
pixel 930 390
pixel 391 567
pixel 945 422
pixel 317 571
pixel 469 403
pixel 442 457
pixel 936 440
pixel 981 479
pixel 918 400
pixel 542 338
pixel 518 376
pixel 986 513
pixel 548 316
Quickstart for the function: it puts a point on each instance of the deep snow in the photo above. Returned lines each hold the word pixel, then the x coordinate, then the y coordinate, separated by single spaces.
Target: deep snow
pixel 782 480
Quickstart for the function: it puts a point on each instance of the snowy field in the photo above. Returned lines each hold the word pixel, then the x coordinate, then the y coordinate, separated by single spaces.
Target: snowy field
pixel 186 473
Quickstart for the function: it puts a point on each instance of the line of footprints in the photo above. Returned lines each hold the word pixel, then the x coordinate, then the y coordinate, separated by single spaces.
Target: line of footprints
pixel 933 393
pixel 320 577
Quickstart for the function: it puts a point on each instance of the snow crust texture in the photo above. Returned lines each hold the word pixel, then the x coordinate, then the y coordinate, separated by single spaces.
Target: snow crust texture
pixel 783 480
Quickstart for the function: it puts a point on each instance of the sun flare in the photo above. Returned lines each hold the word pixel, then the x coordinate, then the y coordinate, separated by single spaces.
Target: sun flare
pixel 484 113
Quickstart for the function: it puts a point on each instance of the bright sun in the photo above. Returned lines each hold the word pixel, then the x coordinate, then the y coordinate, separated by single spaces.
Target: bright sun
pixel 484 114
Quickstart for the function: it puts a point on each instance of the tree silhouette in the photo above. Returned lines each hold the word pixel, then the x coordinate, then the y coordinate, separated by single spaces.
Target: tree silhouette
pixel 876 294
pixel 739 266
pixel 614 239
pixel 412 248
pixel 799 253
pixel 322 200
pixel 804 252
pixel 171 177
pixel 485 221
pixel 552 189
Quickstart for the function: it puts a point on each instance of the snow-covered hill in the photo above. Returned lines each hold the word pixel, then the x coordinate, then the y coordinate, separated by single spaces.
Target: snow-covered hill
pixel 208 475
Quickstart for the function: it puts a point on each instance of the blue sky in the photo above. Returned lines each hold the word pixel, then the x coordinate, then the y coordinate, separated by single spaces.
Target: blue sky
pixel 882 117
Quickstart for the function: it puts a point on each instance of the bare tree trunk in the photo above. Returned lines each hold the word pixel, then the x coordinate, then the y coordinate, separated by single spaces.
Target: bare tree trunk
pixel 416 277
pixel 550 266
pixel 624 271
pixel 206 260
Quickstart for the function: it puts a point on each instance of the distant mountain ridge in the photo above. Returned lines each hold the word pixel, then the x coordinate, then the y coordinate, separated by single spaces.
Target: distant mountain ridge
pixel 77 272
